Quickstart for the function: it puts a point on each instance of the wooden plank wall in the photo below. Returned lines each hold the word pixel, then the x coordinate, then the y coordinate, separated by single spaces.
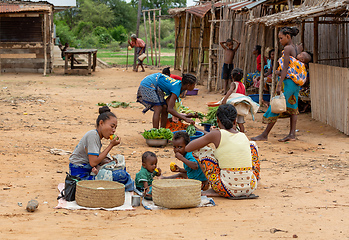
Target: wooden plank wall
pixel 195 34
pixel 28 56
pixel 329 87
pixel 333 41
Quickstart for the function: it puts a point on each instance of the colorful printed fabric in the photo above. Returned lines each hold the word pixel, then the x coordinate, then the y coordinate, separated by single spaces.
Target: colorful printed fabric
pixel 296 70
pixel 84 170
pixel 291 92
pixel 250 77
pixel 230 182
pixel 150 97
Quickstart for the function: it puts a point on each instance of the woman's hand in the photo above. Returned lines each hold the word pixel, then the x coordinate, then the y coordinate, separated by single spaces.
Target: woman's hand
pixel 189 120
pixel 278 89
pixel 116 141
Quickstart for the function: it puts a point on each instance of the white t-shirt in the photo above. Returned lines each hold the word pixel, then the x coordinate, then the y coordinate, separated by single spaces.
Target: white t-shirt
pixel 90 144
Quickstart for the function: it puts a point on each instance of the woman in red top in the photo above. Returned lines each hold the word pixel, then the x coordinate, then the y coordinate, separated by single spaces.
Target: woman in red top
pixel 250 76
pixel 140 49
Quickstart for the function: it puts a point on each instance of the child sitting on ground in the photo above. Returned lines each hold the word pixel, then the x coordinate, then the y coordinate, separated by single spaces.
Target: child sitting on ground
pixel 192 168
pixel 144 178
pixel 237 87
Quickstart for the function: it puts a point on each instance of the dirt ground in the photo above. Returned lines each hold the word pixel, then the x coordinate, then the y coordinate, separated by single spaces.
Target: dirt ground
pixel 303 189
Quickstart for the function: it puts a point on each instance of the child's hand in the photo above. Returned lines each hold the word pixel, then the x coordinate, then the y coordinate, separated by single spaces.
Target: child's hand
pixel 178 155
pixel 158 172
pixel 175 168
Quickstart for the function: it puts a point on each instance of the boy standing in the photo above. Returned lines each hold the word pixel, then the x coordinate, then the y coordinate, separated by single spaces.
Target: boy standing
pixel 228 66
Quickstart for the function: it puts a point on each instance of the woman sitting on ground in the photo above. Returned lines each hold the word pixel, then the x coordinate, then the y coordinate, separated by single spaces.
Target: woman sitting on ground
pixel 230 169
pixel 87 154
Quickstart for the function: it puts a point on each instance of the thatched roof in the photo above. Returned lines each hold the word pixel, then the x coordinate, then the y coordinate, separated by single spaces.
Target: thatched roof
pixel 308 9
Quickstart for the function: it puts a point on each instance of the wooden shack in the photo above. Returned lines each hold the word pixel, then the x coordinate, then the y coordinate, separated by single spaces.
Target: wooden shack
pixel 26 37
pixel 324 31
pixel 199 29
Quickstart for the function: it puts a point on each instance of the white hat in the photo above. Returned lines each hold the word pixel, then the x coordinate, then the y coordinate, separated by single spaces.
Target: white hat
pixel 134 36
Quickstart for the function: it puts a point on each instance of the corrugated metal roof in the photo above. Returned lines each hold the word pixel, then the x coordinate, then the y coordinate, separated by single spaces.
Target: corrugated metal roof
pixel 23 7
pixel 202 10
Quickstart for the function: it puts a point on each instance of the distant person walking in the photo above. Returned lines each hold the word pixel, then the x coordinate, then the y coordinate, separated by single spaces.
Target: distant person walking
pixel 140 49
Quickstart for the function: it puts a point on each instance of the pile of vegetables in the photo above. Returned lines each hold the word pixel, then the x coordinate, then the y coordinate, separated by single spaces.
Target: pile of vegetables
pixel 191 130
pixel 154 133
pixel 115 104
pixel 211 117
pixel 185 110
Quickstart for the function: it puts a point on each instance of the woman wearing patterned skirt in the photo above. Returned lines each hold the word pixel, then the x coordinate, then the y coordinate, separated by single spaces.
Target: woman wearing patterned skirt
pixel 151 93
pixel 231 169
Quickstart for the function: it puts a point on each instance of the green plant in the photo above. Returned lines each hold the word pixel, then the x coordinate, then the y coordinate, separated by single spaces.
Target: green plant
pixel 154 133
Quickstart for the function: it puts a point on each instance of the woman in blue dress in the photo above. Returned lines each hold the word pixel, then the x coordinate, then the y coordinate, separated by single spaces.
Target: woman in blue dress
pixel 87 154
pixel 151 93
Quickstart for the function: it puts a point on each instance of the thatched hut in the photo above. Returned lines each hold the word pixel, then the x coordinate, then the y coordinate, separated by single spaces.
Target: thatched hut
pixel 199 29
pixel 26 37
pixel 324 31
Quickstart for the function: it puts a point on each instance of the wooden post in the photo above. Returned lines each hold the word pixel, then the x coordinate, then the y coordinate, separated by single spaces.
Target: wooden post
pixel 146 38
pixel 45 45
pixel 276 53
pixel 137 32
pixel 150 39
pixel 261 81
pixel 159 37
pixel 176 42
pixel 156 56
pixel 302 33
pixel 89 63
pixel 184 41
pixel 290 4
pixel 210 62
pixel 246 48
pixel 189 45
pixel 316 41
pixel 201 52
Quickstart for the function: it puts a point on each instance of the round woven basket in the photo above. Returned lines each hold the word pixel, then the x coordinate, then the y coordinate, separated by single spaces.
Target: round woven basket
pixel 176 193
pixel 99 193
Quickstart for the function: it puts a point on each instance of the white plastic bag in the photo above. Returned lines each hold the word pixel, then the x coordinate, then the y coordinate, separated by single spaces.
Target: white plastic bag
pixel 278 104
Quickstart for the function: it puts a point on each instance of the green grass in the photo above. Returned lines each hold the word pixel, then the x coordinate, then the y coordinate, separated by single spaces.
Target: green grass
pixel 120 58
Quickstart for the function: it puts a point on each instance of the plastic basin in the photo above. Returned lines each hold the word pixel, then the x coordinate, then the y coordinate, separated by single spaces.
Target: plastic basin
pixel 196 136
pixel 255 97
pixel 193 92
pixel 213 104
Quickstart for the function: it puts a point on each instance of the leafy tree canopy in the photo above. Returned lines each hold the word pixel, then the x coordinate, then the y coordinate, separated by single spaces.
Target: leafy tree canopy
pixel 165 5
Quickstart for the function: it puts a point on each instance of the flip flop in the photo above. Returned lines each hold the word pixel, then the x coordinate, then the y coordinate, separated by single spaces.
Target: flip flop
pixel 252 196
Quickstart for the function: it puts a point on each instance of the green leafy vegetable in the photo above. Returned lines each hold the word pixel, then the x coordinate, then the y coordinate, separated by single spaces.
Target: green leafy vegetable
pixel 115 104
pixel 211 116
pixel 154 133
pixel 191 130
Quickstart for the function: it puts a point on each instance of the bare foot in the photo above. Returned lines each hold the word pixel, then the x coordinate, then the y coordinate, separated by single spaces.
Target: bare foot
pixel 288 138
pixel 210 193
pixel 142 70
pixel 259 138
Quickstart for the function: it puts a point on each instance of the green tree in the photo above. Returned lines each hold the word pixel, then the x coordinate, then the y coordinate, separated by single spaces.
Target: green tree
pixel 125 14
pixel 97 13
pixel 165 5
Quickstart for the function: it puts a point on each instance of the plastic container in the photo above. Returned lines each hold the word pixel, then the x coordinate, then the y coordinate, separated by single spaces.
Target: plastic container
pixel 193 92
pixel 197 134
pixel 213 104
pixel 207 126
pixel 255 97
pixel 156 142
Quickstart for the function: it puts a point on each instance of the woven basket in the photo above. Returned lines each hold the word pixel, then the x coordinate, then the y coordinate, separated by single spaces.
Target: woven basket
pixel 176 193
pixel 99 193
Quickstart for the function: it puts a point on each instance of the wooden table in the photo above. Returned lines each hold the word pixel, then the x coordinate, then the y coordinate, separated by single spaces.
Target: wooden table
pixel 77 68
